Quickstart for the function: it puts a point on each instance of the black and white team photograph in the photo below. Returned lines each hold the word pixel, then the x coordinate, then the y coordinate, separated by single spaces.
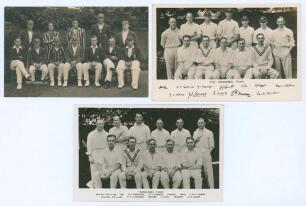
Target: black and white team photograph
pixel 76 51
pixel 148 148
pixel 226 43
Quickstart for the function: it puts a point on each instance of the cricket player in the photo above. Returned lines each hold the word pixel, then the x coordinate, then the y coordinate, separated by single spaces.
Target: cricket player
pixel 209 28
pixel 28 36
pixel 38 58
pixel 282 44
pixel 130 59
pixel 221 58
pixel 179 135
pixel 240 62
pixel 160 135
pixel 170 41
pixel 263 60
pixel 111 162
pixel 185 60
pixel 191 29
pixel 151 161
pixel 17 57
pixel 57 59
pixel 191 165
pixel 204 144
pixel 74 57
pixel 141 132
pixel 96 144
pixel 263 29
pixel 131 165
pixel 93 58
pixel 171 166
pixel 77 32
pixel 246 32
pixel 112 55
pixel 124 34
pixel 121 132
pixel 228 28
pixel 101 30
pixel 204 60
pixel 49 36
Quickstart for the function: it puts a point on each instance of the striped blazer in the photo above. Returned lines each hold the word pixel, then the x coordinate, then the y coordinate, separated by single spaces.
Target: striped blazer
pixel 79 34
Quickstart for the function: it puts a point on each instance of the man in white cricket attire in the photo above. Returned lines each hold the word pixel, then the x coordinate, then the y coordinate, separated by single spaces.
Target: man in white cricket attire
pixel 191 165
pixel 209 28
pixel 246 32
pixel 180 135
pixel 141 132
pixel 111 162
pixel 191 29
pixel 170 41
pixel 240 62
pixel 221 56
pixel 171 166
pixel 263 60
pixel 185 60
pixel 121 132
pixel 160 135
pixel 282 44
pixel 96 144
pixel 204 60
pixel 204 139
pixel 131 164
pixel 151 161
pixel 263 29
pixel 228 28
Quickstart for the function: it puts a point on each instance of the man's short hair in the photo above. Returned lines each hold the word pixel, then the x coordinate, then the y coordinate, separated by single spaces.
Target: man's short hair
pixel 131 138
pixel 186 36
pixel 280 17
pixel 259 35
pixel 189 138
pixel 151 139
pixel 202 119
pixel 205 36
pixel 180 118
pixel 241 39
pixel 138 113
pixel 189 12
pixel 223 38
pixel 169 140
pixel 93 36
pixel 30 21
pixel 110 135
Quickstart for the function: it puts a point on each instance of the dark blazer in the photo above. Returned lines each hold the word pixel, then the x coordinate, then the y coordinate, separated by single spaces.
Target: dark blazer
pixel 22 55
pixel 79 54
pixel 115 52
pixel 98 56
pixel 102 35
pixel 119 40
pixel 40 58
pixel 136 55
pixel 25 40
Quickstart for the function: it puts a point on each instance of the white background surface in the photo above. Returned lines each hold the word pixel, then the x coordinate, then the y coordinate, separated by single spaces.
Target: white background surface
pixel 264 156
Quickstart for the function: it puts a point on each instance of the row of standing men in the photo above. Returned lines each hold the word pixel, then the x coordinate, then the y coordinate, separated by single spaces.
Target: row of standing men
pixel 137 154
pixel 260 55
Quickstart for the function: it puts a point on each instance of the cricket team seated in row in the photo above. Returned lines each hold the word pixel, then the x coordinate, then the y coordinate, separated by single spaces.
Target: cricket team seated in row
pixel 150 159
pixel 113 52
pixel 191 52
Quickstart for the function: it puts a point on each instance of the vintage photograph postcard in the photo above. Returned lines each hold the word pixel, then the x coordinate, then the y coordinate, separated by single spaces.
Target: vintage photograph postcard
pixel 230 52
pixel 148 153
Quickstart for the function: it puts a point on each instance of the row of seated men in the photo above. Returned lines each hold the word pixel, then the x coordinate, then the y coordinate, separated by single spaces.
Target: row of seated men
pixel 26 58
pixel 143 157
pixel 191 51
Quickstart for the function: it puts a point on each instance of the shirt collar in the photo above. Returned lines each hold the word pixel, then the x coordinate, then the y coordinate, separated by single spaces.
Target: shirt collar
pixel 94 47
pixel 140 125
pixel 20 47
pixel 130 47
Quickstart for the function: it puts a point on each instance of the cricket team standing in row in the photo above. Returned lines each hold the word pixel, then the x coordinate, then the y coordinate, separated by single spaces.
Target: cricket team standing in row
pixel 191 52
pixel 136 154
pixel 115 52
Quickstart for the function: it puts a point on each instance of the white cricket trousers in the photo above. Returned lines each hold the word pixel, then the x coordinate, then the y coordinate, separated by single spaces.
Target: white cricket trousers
pixel 170 55
pixel 18 66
